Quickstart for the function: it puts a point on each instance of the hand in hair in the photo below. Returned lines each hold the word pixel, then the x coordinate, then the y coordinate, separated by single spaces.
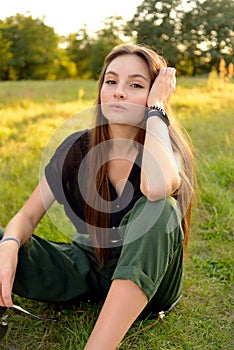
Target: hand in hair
pixel 162 88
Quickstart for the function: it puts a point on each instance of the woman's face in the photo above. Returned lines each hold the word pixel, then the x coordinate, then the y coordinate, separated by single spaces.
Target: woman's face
pixel 125 90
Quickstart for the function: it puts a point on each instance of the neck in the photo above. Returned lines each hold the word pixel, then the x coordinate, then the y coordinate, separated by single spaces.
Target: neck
pixel 123 131
pixel 122 139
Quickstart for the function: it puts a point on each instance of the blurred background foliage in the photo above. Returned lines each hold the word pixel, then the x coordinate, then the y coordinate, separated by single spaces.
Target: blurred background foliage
pixel 194 38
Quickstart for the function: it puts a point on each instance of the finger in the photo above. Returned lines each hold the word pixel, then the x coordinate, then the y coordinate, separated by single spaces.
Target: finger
pixel 174 82
pixel 162 72
pixel 171 72
pixel 168 74
pixel 171 69
pixel 171 75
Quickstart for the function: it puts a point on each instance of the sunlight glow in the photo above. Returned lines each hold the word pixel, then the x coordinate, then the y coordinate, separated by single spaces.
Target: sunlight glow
pixel 70 16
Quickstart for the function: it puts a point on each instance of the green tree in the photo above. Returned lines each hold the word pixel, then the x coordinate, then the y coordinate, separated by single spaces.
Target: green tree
pixel 33 47
pixel 207 33
pixel 79 47
pixel 108 37
pixel 157 24
pixel 64 67
pixel 5 56
pixel 192 35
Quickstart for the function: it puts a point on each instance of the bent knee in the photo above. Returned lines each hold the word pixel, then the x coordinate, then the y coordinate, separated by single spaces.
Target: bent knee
pixel 152 216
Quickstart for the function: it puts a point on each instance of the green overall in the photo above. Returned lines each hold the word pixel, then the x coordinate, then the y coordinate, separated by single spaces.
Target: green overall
pixel 151 256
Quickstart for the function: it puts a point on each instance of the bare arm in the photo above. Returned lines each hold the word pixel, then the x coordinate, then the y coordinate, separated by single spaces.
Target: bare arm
pixel 123 304
pixel 160 173
pixel 21 226
pixel 25 221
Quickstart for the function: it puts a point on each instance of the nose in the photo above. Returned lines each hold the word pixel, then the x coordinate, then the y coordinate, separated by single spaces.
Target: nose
pixel 119 93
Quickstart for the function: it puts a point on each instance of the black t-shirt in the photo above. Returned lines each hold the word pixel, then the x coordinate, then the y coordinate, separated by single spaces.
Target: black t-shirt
pixel 62 176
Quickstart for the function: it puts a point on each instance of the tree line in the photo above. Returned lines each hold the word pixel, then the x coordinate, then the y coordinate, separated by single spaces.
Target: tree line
pixel 193 38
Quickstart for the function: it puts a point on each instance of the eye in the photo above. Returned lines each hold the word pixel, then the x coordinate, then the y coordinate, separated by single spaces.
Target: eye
pixel 110 81
pixel 137 86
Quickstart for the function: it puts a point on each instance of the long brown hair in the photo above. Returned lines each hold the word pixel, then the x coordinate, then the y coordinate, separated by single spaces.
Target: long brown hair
pixel 99 220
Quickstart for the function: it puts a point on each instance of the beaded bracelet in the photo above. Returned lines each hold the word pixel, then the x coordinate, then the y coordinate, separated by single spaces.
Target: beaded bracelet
pixel 10 239
pixel 157 111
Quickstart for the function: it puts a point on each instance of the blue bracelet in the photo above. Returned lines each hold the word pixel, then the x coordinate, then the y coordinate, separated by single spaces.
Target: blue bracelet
pixel 11 239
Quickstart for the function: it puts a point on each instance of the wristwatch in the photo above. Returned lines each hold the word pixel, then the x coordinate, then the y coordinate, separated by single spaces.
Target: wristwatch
pixel 157 111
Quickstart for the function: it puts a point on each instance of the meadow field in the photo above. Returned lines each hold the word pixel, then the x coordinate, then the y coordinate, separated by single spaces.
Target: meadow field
pixel 30 112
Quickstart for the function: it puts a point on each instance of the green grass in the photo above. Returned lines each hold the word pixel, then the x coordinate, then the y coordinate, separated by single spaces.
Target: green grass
pixel 30 112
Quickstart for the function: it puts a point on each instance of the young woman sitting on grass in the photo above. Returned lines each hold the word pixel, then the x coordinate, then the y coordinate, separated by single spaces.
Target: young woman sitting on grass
pixel 126 185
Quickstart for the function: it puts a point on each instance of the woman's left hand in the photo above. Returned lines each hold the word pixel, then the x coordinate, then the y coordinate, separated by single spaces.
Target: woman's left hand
pixel 162 88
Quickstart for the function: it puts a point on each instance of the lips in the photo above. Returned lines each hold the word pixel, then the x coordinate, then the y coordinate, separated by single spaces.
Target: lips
pixel 117 106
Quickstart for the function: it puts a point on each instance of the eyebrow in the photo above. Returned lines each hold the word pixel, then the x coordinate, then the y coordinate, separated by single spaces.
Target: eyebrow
pixel 136 75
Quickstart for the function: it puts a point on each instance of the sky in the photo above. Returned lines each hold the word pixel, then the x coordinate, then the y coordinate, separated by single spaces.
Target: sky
pixel 69 16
